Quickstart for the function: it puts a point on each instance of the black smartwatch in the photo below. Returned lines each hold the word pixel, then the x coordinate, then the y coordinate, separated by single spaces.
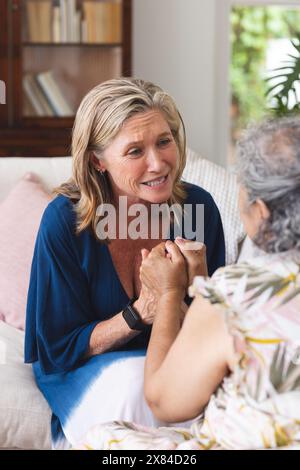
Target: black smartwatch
pixel 132 317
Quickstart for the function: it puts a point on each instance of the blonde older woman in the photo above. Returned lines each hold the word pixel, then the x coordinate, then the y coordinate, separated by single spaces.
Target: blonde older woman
pixel 87 315
pixel 236 359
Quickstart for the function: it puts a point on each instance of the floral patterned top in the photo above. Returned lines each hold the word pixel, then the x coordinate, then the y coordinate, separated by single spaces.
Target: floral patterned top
pixel 258 405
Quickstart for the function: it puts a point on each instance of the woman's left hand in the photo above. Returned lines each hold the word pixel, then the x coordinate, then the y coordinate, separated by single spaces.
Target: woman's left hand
pixel 163 272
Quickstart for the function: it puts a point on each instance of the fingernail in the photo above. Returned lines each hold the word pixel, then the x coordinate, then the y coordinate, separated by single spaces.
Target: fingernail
pixel 179 240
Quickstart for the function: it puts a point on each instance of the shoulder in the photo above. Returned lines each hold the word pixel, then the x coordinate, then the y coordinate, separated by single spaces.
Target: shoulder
pixel 196 194
pixel 60 209
pixel 59 217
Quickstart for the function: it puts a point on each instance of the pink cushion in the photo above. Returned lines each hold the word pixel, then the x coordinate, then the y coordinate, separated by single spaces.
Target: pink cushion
pixel 20 215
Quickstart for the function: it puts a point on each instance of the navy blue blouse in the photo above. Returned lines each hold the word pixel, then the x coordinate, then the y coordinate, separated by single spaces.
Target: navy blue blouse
pixel 74 284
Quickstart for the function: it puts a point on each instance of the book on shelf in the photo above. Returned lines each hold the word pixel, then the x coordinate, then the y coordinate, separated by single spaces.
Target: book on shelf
pixel 63 21
pixel 103 21
pixel 56 28
pixel 28 108
pixel 66 21
pixel 35 100
pixel 69 21
pixel 116 30
pixel 54 94
pixel 39 20
pixel 72 17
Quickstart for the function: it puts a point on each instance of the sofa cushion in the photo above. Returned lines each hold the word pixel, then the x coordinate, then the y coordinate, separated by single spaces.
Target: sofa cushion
pixel 20 215
pixel 24 414
pixel 223 187
pixel 52 171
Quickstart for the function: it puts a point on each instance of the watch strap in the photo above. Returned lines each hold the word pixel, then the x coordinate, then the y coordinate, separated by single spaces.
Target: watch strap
pixel 132 317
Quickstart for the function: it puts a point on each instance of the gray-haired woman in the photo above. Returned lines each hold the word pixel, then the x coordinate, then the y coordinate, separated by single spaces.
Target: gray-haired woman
pixel 88 317
pixel 236 358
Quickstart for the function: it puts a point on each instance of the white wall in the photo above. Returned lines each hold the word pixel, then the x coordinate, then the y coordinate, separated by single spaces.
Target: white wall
pixel 174 46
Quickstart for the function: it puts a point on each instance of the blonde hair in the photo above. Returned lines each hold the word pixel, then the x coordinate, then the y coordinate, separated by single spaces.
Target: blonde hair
pixel 99 118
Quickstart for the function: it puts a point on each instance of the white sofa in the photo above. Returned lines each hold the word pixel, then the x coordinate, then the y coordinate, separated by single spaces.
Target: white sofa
pixel 24 414
pixel 215 179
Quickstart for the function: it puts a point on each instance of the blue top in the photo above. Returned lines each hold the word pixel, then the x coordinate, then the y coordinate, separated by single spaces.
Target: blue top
pixel 74 284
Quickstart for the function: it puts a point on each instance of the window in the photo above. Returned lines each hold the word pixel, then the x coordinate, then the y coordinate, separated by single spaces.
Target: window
pixel 258 40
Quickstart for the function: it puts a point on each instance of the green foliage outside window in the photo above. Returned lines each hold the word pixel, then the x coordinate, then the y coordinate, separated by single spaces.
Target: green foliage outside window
pixel 251 28
pixel 288 76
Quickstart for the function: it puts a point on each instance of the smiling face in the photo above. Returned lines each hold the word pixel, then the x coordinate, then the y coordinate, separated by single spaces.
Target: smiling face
pixel 142 159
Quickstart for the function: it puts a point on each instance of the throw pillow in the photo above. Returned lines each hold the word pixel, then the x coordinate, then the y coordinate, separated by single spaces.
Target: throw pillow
pixel 20 215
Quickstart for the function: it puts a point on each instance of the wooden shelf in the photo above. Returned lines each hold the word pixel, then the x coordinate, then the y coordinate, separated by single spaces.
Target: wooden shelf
pixel 70 44
pixel 76 67
pixel 35 142
pixel 48 122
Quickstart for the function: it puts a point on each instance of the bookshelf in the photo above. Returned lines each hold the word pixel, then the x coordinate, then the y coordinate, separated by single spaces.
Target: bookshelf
pixel 52 52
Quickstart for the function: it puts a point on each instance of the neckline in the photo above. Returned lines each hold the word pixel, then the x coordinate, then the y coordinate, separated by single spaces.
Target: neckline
pixel 115 274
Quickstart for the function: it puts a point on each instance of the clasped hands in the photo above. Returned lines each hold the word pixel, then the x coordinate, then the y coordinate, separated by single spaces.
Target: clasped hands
pixel 169 268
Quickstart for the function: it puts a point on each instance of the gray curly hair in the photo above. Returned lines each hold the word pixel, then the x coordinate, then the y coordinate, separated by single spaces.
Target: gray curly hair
pixel 269 169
